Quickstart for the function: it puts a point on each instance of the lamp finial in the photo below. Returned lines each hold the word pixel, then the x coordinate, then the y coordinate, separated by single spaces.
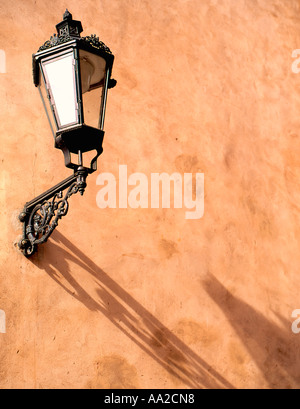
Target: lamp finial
pixel 67 15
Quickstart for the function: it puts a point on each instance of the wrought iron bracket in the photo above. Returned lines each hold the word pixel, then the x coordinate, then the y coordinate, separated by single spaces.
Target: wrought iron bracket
pixel 41 215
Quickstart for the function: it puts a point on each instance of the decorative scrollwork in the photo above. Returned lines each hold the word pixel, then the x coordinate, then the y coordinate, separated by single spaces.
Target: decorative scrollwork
pixel 43 217
pixel 54 41
pixel 94 41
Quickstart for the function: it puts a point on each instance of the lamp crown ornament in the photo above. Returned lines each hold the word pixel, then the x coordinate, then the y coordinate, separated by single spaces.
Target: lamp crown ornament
pixel 68 26
pixel 69 29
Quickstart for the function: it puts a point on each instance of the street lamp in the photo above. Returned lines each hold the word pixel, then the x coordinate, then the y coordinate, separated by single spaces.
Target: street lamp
pixel 73 74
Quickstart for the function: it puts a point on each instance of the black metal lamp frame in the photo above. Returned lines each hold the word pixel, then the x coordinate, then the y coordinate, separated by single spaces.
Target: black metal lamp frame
pixel 40 216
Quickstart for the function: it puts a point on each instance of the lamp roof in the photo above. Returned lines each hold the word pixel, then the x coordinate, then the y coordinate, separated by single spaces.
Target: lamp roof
pixel 69 29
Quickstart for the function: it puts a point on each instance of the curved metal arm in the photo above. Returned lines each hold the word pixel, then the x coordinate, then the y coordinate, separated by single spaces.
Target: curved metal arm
pixel 41 215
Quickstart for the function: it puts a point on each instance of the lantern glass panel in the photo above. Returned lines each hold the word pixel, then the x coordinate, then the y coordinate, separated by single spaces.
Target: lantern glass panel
pixel 93 83
pixel 92 68
pixel 91 107
pixel 59 74
pixel 47 106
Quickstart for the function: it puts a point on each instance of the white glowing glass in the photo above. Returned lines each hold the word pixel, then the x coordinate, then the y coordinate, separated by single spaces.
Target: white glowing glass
pixel 60 79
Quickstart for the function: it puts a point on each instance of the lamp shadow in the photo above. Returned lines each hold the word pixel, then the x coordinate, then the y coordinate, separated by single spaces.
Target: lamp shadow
pixel 129 316
pixel 274 349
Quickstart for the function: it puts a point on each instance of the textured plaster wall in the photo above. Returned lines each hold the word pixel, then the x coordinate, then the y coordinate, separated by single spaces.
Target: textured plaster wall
pixel 143 298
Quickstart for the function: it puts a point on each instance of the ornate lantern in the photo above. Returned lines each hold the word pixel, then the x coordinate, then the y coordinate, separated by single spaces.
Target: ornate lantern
pixel 73 75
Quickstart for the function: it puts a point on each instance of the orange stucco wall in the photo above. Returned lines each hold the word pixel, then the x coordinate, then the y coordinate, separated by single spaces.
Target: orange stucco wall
pixel 144 298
